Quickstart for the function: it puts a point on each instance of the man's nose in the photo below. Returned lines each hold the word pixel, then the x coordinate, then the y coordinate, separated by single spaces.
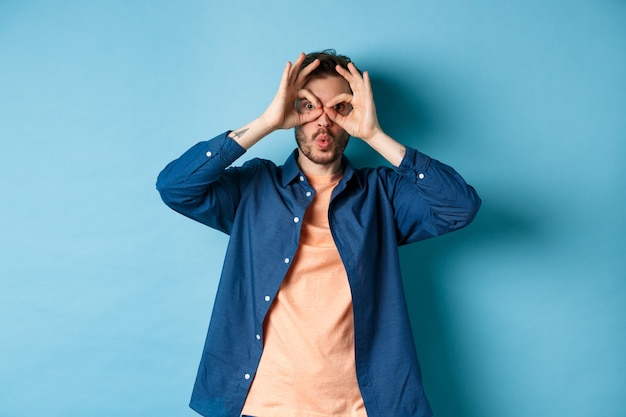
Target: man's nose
pixel 324 120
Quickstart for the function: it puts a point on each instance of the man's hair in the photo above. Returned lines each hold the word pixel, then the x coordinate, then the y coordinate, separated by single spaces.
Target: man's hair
pixel 329 59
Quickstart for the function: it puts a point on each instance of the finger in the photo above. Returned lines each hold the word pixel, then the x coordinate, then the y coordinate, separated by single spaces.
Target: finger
pixel 344 73
pixel 284 79
pixel 307 94
pixel 304 115
pixel 296 67
pixel 335 116
pixel 310 116
pixel 367 82
pixel 306 71
pixel 351 73
pixel 341 98
pixel 352 76
pixel 354 70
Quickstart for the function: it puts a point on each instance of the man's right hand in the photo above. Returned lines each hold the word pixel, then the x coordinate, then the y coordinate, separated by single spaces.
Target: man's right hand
pixel 282 112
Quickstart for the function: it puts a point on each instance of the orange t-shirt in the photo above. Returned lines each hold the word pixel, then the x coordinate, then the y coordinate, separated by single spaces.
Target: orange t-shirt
pixel 307 368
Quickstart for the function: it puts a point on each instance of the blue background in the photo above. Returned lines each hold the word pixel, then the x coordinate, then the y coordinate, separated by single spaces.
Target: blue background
pixel 106 294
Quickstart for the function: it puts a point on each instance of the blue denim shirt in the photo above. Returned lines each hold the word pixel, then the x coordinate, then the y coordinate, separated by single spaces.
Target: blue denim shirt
pixel 372 212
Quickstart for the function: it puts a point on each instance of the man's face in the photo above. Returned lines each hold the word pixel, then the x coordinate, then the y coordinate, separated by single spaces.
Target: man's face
pixel 322 141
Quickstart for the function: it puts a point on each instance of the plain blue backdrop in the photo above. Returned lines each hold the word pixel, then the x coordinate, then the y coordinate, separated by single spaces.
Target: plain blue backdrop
pixel 105 294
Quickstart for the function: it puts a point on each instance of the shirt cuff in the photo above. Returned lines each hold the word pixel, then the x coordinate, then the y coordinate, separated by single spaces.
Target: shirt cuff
pixel 224 147
pixel 414 165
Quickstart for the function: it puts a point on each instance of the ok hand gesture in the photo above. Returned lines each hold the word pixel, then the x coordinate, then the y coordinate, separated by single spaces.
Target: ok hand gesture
pixel 282 112
pixel 362 121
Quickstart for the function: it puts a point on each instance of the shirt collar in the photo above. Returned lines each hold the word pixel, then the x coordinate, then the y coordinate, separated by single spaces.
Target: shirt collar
pixel 291 170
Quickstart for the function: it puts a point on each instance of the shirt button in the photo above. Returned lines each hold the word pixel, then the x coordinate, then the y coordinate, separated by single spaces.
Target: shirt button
pixel 247 376
pixel 421 176
pixel 308 194
pixel 301 177
pixel 296 219
pixel 267 298
pixel 286 260
pixel 258 337
pixel 209 153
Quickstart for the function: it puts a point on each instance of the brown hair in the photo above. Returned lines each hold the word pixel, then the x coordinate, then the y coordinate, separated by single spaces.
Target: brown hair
pixel 329 59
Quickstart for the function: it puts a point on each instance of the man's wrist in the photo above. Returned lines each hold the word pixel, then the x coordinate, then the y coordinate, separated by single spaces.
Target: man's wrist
pixel 251 133
pixel 390 149
pixel 265 125
pixel 376 136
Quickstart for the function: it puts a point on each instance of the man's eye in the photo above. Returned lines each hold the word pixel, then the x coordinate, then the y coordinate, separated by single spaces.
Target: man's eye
pixel 342 108
pixel 305 106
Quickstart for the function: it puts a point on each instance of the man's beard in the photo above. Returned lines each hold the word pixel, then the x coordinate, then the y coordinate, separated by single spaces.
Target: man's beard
pixel 323 157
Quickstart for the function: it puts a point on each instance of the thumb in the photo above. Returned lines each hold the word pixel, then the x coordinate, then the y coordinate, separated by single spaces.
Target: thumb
pixel 310 115
pixel 335 116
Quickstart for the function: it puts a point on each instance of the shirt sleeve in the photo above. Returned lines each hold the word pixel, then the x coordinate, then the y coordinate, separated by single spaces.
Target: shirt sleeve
pixel 430 198
pixel 200 184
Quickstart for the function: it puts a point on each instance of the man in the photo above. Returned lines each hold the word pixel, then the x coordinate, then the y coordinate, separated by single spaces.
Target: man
pixel 309 318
